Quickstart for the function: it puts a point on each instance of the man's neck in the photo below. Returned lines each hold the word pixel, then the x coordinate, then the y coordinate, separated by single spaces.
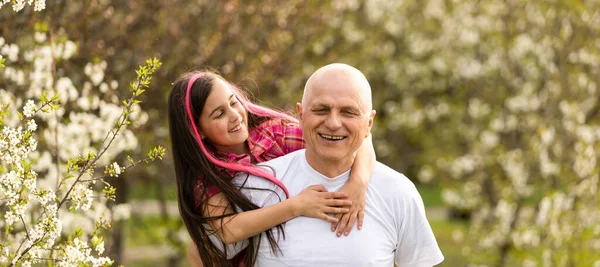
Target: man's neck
pixel 329 168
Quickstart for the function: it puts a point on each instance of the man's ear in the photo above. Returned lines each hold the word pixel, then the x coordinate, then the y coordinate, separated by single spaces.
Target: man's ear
pixel 299 109
pixel 373 112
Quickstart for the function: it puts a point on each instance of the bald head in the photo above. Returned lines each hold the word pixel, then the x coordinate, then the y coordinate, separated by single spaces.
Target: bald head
pixel 339 77
pixel 336 115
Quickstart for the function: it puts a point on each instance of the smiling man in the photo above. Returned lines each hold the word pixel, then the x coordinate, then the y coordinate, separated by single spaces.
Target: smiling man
pixel 336 115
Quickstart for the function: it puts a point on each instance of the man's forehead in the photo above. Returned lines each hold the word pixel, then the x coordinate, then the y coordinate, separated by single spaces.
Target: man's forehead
pixel 348 104
pixel 340 94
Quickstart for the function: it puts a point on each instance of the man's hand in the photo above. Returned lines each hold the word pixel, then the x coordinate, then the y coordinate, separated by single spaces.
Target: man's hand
pixel 357 193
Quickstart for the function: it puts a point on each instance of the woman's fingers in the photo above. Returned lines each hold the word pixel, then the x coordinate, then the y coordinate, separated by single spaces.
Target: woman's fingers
pixel 328 218
pixel 334 225
pixel 318 188
pixel 361 218
pixel 343 223
pixel 335 210
pixel 334 195
pixel 347 224
pixel 338 202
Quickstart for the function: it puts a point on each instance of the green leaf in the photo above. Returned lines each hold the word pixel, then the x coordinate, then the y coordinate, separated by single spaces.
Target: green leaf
pixel 41 27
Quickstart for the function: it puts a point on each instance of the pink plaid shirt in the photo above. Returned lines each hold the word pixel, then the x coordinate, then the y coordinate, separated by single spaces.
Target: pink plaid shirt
pixel 270 139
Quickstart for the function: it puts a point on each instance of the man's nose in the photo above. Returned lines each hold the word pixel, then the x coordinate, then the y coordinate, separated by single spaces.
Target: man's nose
pixel 333 121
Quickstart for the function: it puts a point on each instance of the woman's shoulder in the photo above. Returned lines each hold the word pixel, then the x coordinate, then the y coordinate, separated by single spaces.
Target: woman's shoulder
pixel 275 138
pixel 277 123
pixel 276 127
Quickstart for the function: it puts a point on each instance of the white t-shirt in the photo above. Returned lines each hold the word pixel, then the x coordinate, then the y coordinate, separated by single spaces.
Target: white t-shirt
pixel 395 229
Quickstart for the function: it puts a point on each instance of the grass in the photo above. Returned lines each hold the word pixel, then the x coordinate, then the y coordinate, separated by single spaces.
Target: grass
pixel 149 230
pixel 149 191
pixel 431 195
pixel 443 230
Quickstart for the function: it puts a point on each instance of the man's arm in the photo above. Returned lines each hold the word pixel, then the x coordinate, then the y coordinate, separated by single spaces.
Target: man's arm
pixel 416 246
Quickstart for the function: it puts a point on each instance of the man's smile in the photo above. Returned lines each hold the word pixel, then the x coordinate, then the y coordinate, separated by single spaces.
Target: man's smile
pixel 332 137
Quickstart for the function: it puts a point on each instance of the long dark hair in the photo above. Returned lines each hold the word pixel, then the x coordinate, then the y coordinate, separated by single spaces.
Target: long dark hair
pixel 194 159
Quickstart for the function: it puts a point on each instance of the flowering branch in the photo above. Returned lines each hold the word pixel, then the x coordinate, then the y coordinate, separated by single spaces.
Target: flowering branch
pixel 144 75
pixel 78 191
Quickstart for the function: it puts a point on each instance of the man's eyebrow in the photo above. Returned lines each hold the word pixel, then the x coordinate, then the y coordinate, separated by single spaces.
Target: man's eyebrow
pixel 217 108
pixel 351 108
pixel 319 105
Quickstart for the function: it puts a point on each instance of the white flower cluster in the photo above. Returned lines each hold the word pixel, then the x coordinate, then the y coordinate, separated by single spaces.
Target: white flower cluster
pixel 512 163
pixel 15 145
pixel 37 231
pixel 82 196
pixel 95 71
pixel 29 108
pixel 113 169
pixel 18 5
pixel 10 50
pixel 44 196
pixel 523 112
pixel 79 253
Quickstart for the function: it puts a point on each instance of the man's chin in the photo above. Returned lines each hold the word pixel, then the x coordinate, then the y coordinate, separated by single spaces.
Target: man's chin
pixel 331 157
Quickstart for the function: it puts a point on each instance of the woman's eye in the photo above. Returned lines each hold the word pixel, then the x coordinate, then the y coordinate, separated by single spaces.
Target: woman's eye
pixel 233 104
pixel 219 115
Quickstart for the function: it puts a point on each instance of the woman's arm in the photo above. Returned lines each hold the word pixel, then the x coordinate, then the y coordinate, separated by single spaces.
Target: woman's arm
pixel 289 136
pixel 193 256
pixel 314 201
pixel 356 187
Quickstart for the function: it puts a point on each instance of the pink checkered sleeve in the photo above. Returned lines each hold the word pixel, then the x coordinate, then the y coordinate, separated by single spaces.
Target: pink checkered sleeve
pixel 289 136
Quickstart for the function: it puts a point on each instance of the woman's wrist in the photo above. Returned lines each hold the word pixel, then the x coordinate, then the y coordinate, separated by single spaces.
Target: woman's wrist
pixel 294 206
pixel 360 179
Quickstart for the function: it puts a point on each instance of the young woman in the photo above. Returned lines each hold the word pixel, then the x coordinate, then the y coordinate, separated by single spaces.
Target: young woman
pixel 217 132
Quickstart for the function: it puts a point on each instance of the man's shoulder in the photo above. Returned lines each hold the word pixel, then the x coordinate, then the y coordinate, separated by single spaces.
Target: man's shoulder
pixel 281 164
pixel 392 182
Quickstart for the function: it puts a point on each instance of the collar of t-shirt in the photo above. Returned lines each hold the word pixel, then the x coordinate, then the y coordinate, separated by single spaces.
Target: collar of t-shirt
pixel 319 178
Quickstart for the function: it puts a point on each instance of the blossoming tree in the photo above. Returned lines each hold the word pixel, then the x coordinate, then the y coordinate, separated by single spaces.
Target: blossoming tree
pixel 495 101
pixel 499 101
pixel 52 198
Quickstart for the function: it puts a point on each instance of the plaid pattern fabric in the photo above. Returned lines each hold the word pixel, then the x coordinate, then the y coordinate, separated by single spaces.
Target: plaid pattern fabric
pixel 270 139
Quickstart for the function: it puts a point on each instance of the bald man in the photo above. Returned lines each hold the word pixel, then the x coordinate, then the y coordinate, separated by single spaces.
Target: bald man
pixel 336 115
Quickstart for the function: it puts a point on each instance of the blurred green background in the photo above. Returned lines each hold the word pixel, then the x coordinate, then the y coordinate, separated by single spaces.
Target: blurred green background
pixel 490 107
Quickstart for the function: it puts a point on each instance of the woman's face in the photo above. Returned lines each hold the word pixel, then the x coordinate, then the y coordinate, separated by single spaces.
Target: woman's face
pixel 224 120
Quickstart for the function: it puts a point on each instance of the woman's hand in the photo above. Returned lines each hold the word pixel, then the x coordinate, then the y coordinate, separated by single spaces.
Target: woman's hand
pixel 357 193
pixel 314 201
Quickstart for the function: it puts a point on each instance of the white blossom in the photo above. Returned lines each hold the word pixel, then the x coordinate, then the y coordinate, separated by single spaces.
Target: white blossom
pixel 425 174
pixel 121 211
pixel 100 247
pixel 81 196
pixel 39 5
pixel 31 126
pixel 29 108
pixel 39 37
pixel 11 51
